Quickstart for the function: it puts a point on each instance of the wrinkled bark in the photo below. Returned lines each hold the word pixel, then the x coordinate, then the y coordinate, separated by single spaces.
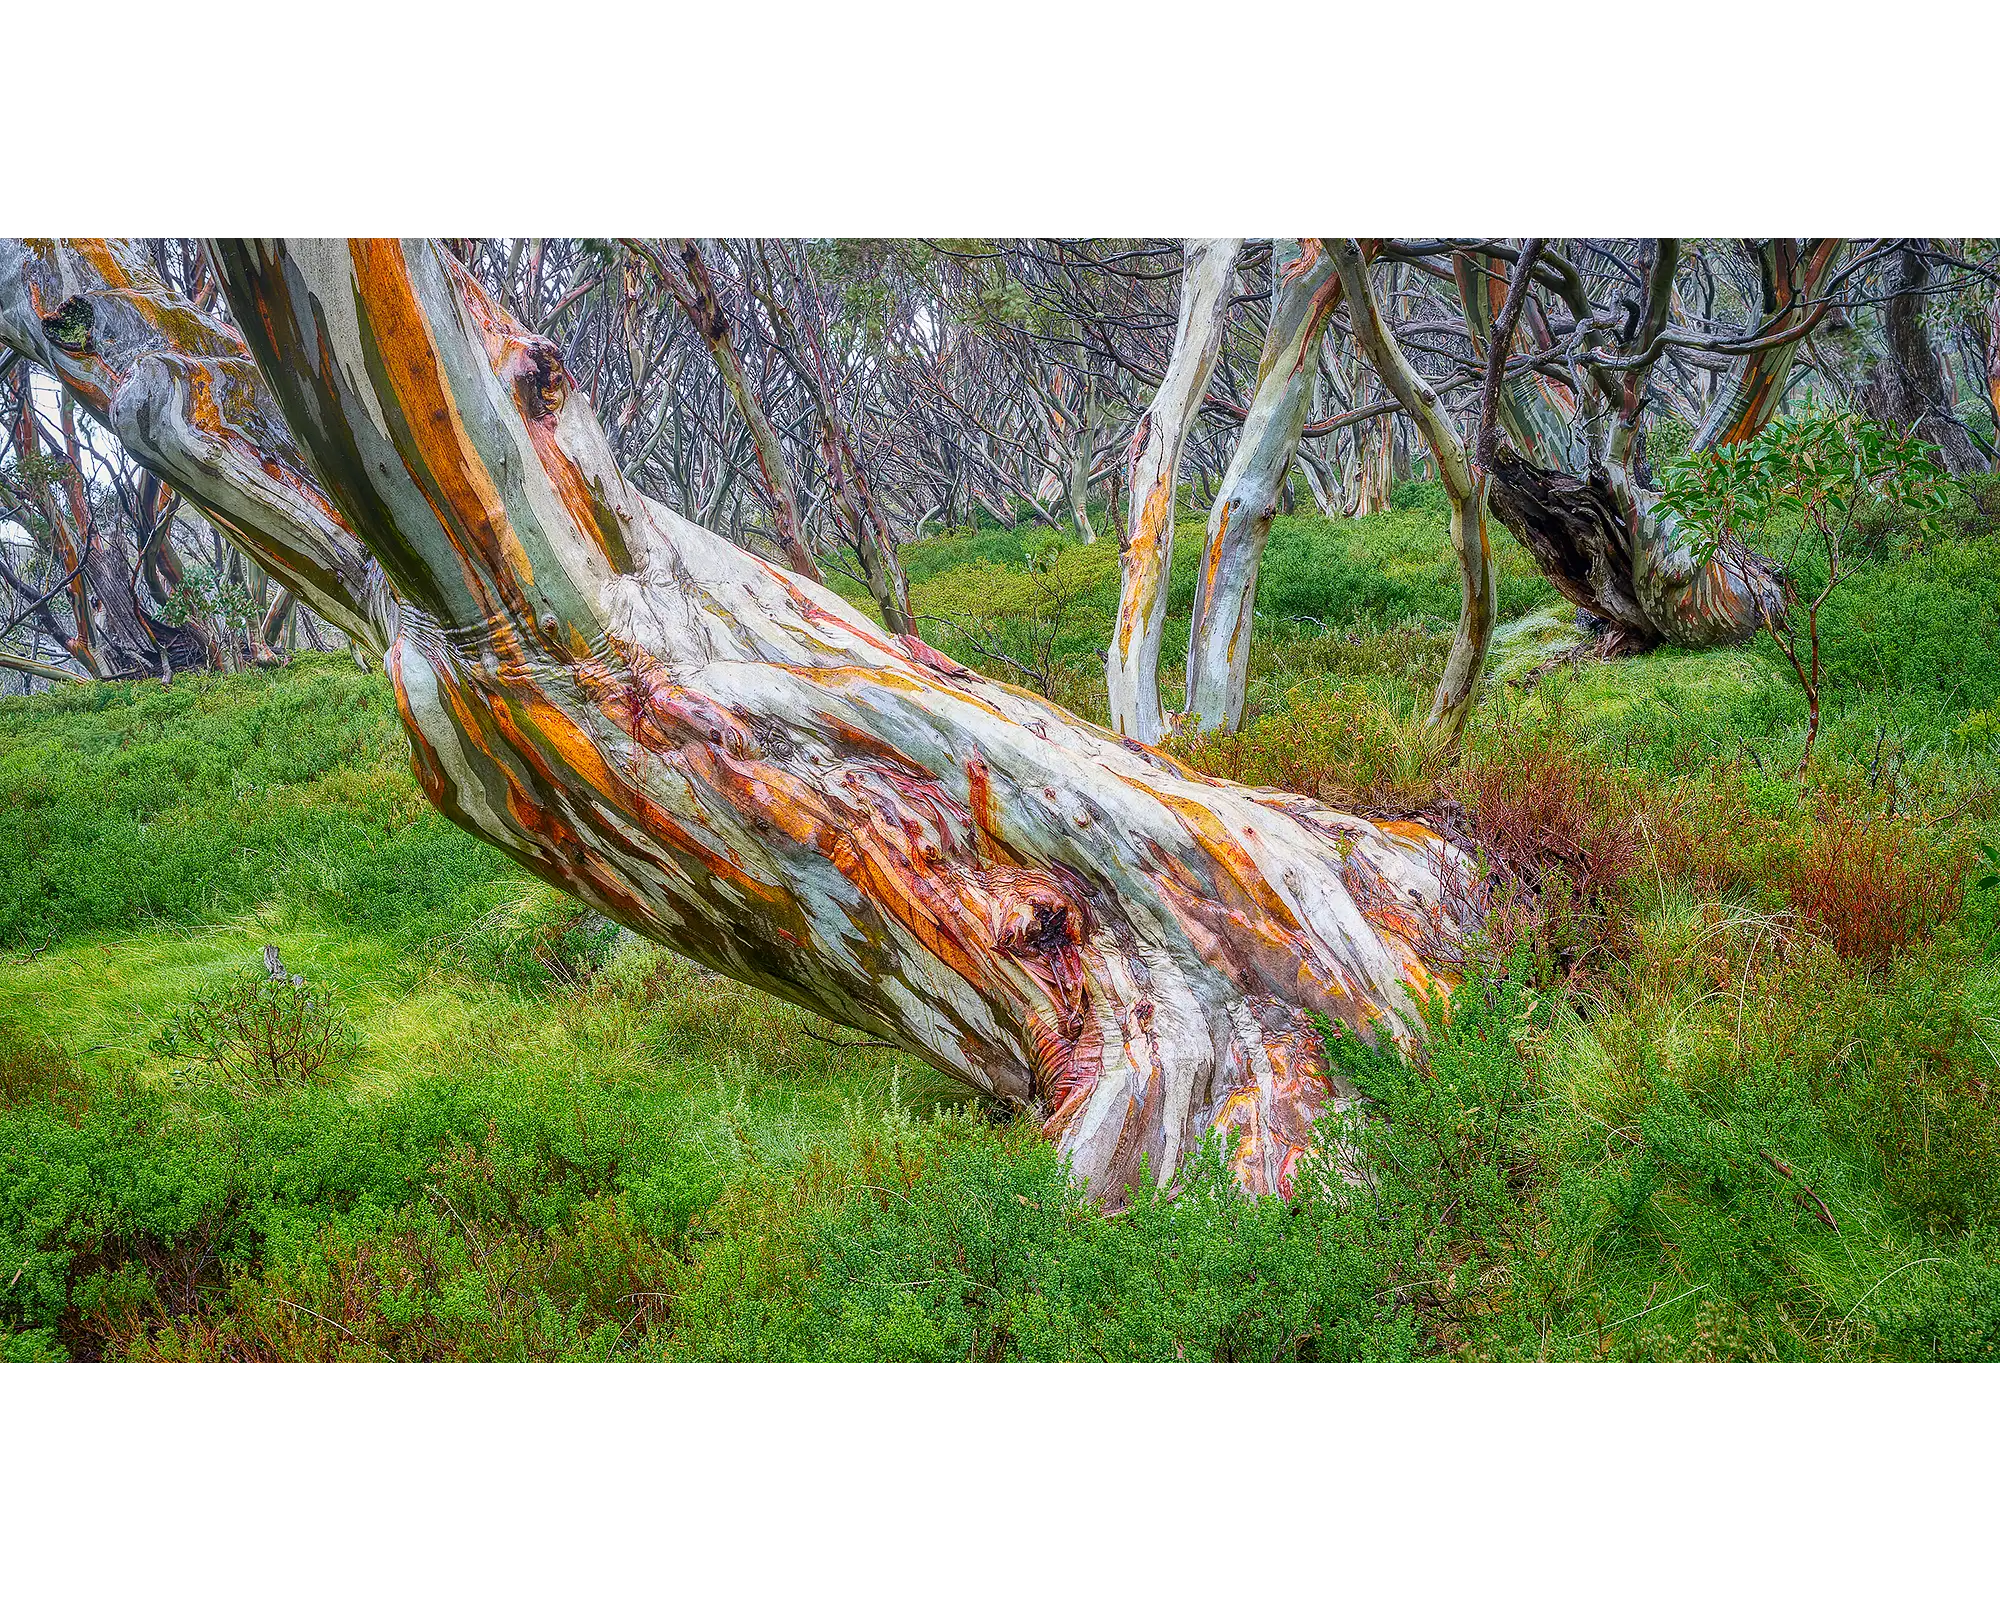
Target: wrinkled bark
pixel 1132 667
pixel 735 762
pixel 1567 483
pixel 1304 292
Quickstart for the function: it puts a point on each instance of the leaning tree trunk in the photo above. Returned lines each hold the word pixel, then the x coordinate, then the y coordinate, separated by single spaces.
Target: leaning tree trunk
pixel 737 763
pixel 1132 667
pixel 1570 490
pixel 1458 689
pixel 1304 293
pixel 1751 396
pixel 179 391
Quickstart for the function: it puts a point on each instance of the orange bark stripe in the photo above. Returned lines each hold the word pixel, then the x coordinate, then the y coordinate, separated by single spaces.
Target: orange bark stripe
pixel 473 515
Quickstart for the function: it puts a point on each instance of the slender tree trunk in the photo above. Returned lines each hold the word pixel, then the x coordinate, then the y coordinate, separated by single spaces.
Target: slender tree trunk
pixel 1083 448
pixel 854 500
pixel 1375 462
pixel 111 636
pixel 1458 690
pixel 1132 668
pixel 1304 292
pixel 703 307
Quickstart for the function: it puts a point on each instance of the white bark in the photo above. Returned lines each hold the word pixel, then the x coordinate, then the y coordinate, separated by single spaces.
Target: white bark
pixel 1132 667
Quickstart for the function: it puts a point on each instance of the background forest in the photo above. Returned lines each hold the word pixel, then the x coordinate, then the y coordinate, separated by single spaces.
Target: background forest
pixel 294 1068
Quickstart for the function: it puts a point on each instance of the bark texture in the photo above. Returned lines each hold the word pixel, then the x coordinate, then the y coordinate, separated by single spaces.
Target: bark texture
pixel 1304 293
pixel 1566 481
pixel 178 389
pixel 1903 383
pixel 735 762
pixel 1132 667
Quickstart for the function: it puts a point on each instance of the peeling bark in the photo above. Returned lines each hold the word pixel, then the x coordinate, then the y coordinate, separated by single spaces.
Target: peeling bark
pixel 1305 291
pixel 1751 396
pixel 735 762
pixel 1132 667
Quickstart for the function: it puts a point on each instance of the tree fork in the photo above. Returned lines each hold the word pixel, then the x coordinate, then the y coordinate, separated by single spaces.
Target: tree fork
pixel 1304 293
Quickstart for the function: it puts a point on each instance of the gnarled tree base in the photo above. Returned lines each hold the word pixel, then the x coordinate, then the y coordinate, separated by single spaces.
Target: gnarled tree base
pixel 1627 568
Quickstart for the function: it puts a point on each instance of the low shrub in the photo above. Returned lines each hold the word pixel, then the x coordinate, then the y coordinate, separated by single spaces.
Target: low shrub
pixel 258 1032
pixel 37 1071
pixel 1873 885
pixel 1564 829
pixel 1343 747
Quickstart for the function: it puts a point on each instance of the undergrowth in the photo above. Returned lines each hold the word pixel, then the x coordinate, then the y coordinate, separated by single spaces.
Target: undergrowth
pixel 1718 1082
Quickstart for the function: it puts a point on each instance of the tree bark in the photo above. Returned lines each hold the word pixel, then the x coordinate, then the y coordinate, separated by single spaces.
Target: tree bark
pixel 1132 667
pixel 1458 689
pixel 1083 447
pixel 1374 466
pixel 1905 385
pixel 178 390
pixel 735 762
pixel 1305 291
pixel 1993 368
pixel 1569 489
pixel 1751 396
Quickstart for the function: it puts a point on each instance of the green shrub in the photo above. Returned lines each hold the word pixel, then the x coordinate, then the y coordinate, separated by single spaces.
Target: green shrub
pixel 946 1244
pixel 1419 494
pixel 259 1032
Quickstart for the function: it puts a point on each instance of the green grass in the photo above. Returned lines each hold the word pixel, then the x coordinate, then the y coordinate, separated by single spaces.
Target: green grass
pixel 1735 1101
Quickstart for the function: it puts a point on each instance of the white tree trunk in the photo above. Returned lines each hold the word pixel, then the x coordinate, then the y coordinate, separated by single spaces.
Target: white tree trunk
pixel 1304 292
pixel 1132 668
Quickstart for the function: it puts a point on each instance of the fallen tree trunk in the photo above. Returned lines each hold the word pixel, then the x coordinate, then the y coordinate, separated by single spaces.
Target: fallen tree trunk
pixel 737 763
